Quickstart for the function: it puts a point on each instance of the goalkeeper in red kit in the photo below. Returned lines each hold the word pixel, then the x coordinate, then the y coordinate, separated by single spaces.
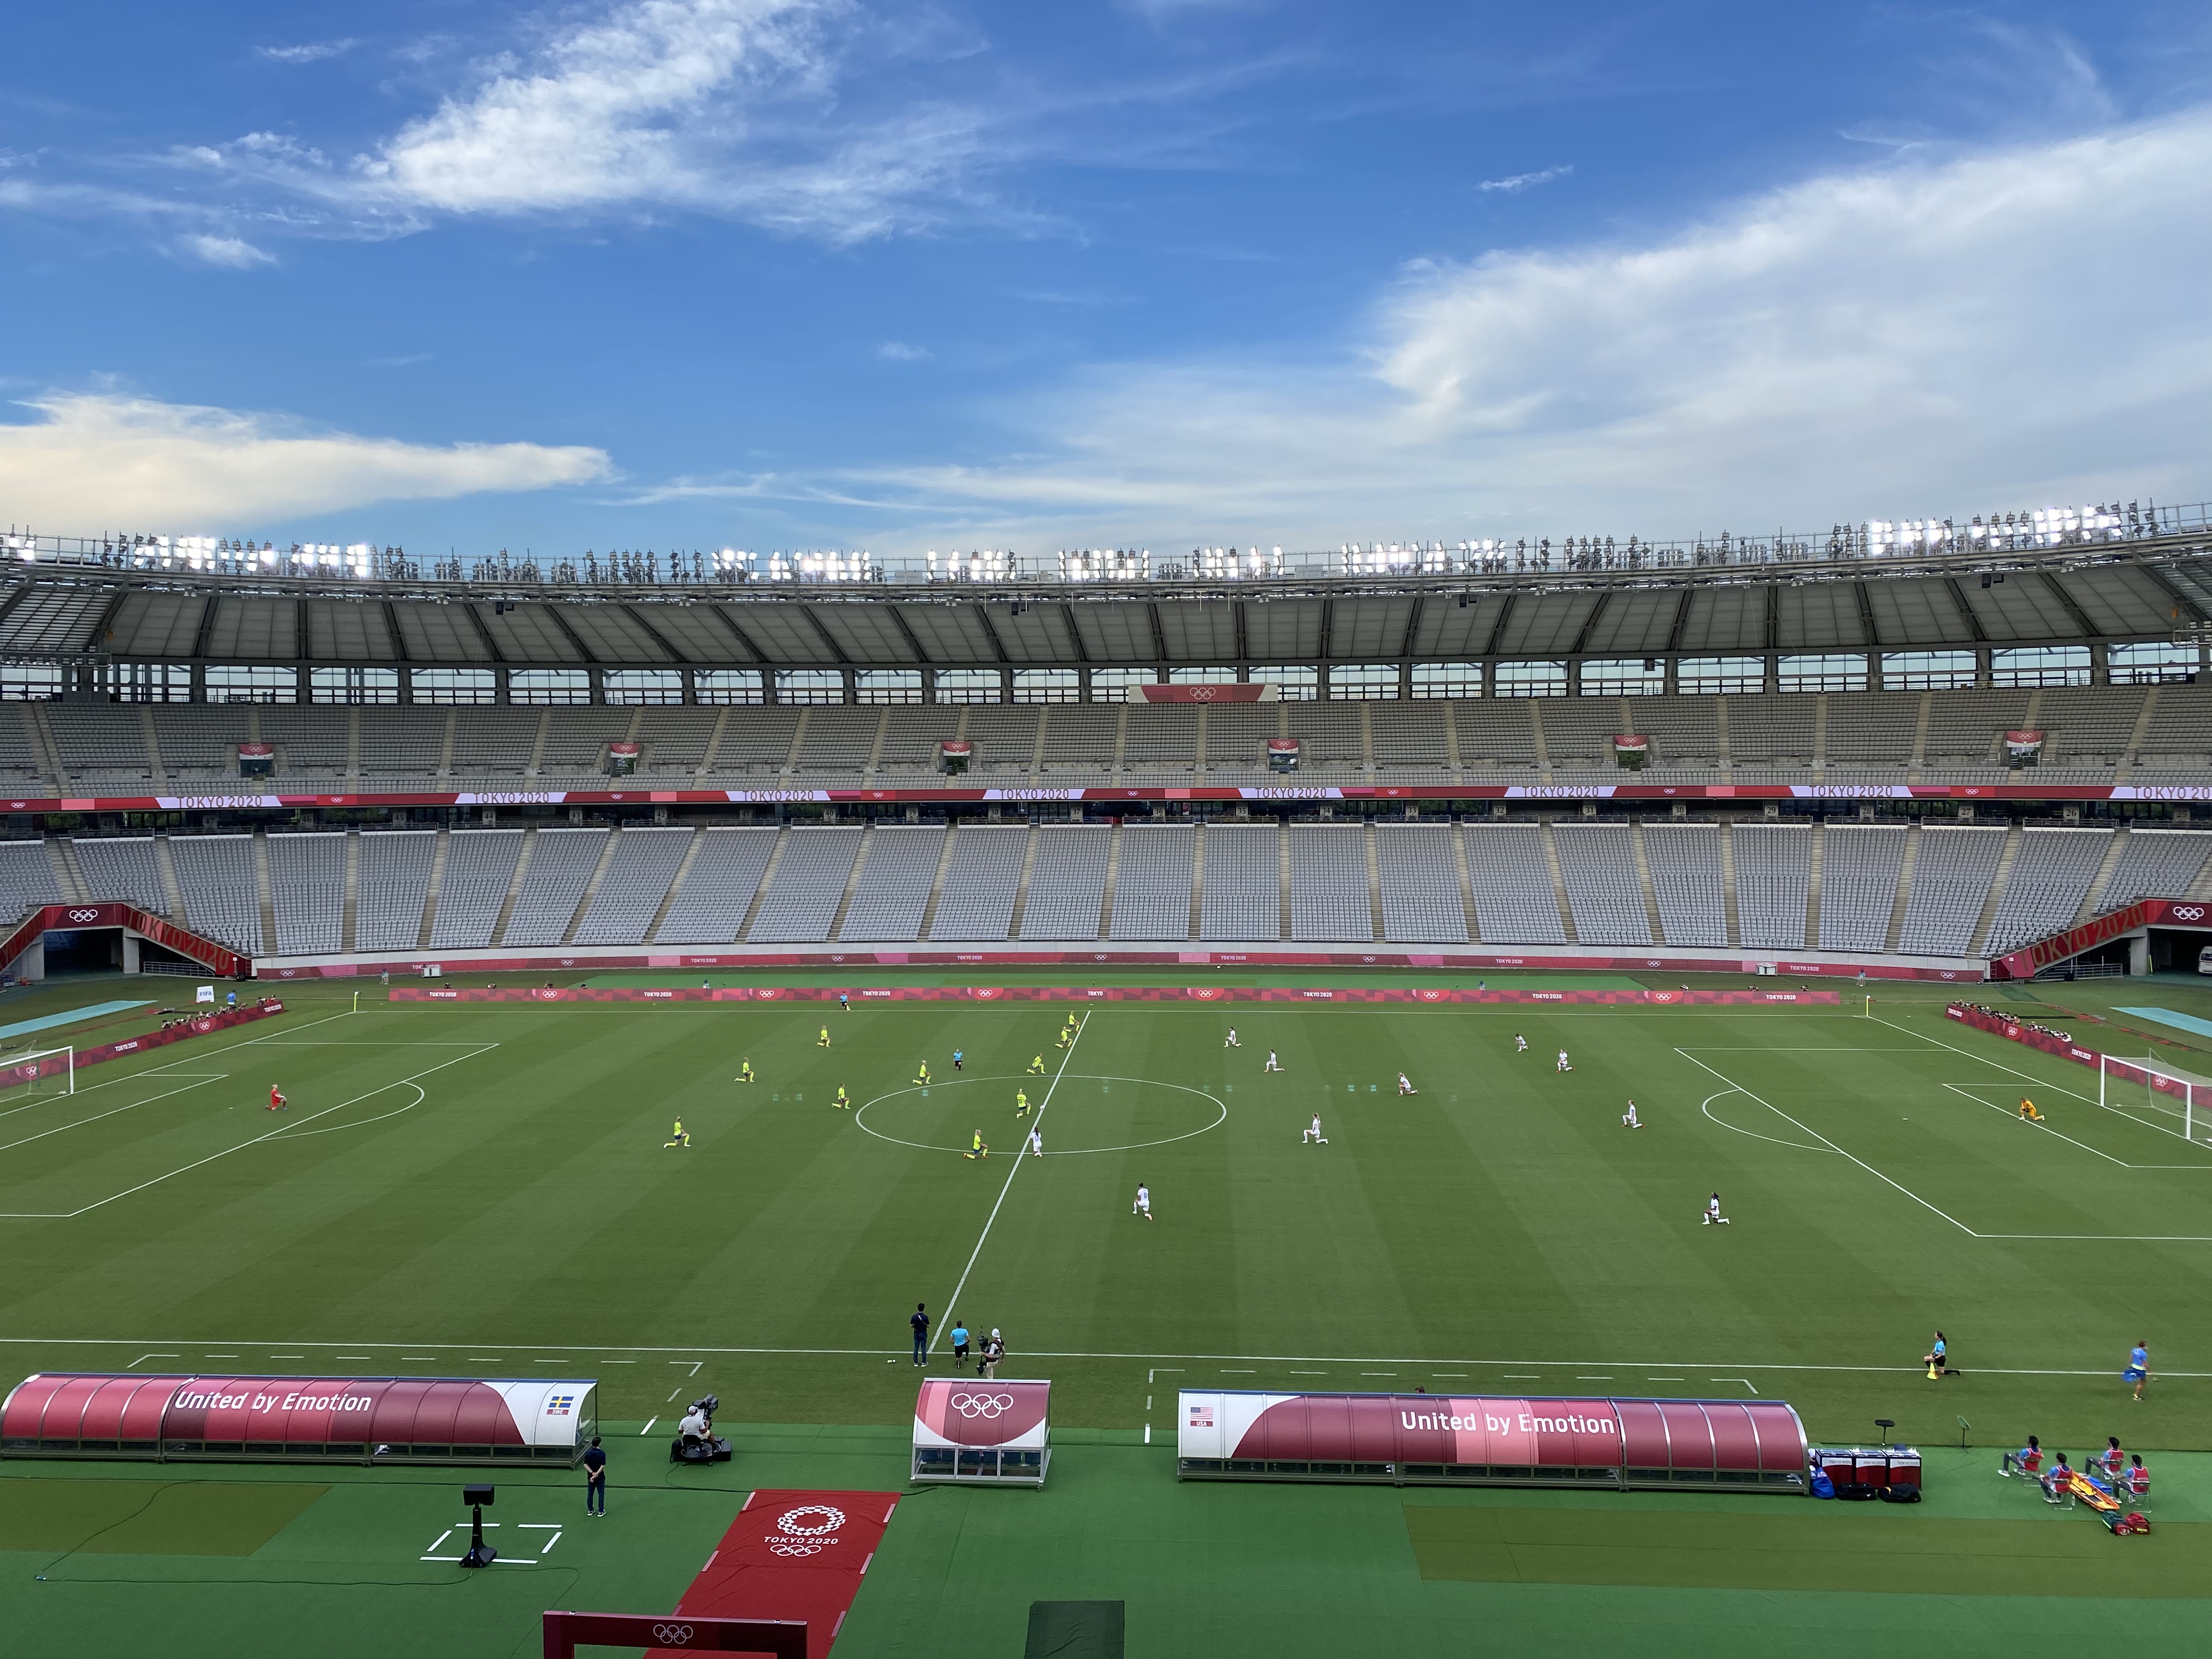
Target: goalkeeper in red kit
pixel 276 1098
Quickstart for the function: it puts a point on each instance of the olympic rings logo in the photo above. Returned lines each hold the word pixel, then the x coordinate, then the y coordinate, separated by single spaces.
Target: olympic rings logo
pixel 672 1636
pixel 790 1522
pixel 2181 912
pixel 93 915
pixel 985 1405
pixel 781 1548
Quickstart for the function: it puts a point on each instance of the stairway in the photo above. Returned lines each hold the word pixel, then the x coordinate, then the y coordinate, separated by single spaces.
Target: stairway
pixel 937 883
pixel 1558 879
pixel 1995 894
pixel 676 885
pixel 592 887
pixel 1904 890
pixel 1728 883
pixel 1022 885
pixel 1644 880
pixel 514 885
pixel 852 881
pixel 437 883
pixel 1813 888
pixel 352 889
pixel 768 879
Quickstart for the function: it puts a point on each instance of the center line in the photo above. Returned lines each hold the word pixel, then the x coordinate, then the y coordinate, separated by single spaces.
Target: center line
pixel 952 1303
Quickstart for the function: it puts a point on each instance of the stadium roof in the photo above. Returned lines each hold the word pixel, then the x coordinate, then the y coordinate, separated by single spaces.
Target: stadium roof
pixel 2147 588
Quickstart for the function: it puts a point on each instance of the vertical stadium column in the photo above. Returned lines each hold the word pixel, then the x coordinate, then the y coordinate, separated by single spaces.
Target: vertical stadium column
pixel 596 679
pixel 2100 666
pixel 690 684
pixel 929 685
pixel 502 691
pixel 1982 669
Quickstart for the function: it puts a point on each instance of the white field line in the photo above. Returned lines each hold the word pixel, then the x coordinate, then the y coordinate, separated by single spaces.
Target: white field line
pixel 2048 1239
pixel 60 1128
pixel 273 1134
pixel 1829 1144
pixel 1688 1367
pixel 165 1069
pixel 1037 1122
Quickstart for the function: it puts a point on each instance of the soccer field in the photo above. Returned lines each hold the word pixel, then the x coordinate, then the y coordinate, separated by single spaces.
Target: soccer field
pixel 486 1188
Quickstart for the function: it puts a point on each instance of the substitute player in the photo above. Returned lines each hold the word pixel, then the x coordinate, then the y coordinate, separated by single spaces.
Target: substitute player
pixel 1143 1204
pixel 1313 1135
pixel 277 1102
pixel 679 1136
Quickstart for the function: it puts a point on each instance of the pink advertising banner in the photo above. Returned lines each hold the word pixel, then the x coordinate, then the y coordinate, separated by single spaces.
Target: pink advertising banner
pixel 1226 994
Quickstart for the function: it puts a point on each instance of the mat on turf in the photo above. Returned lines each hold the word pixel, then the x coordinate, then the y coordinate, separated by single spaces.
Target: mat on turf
pixel 794 1555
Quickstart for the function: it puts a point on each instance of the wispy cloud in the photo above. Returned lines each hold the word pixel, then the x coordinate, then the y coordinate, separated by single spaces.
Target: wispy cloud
pixel 1916 338
pixel 1518 182
pixel 899 351
pixel 93 460
pixel 233 252
pixel 313 52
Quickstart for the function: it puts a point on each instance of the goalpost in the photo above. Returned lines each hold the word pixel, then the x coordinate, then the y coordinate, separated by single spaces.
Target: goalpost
pixel 38 1072
pixel 2172 1095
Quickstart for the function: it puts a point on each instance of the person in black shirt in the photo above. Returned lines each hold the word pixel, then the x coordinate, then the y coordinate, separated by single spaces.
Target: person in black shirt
pixel 920 1320
pixel 595 1480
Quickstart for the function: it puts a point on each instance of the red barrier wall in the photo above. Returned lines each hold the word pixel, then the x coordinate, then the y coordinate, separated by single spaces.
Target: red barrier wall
pixel 199 1026
pixel 1997 1025
pixel 1081 994
pixel 2030 959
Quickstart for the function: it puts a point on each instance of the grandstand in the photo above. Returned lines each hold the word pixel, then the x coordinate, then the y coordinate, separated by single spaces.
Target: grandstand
pixel 1869 749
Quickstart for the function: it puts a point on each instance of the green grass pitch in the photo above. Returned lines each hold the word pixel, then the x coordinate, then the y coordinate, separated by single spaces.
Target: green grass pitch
pixel 486 1188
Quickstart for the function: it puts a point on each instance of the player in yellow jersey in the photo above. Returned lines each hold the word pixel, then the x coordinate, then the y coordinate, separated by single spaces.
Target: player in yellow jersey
pixel 682 1137
pixel 745 1072
pixel 823 1041
pixel 976 1149
pixel 844 1102
pixel 924 1079
pixel 1037 1066
pixel 1021 1102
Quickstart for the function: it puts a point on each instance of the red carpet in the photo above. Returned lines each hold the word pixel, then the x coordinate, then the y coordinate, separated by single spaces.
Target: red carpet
pixel 794 1555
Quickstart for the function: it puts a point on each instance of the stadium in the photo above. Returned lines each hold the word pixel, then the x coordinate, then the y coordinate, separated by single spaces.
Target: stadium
pixel 1423 930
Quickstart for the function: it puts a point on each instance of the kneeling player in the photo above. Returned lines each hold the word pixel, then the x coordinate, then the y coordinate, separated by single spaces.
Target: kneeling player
pixel 1713 1216
pixel 976 1149
pixel 1563 1062
pixel 2027 1112
pixel 1405 1085
pixel 1629 1120
pixel 277 1102
pixel 679 1136
pixel 1313 1134
pixel 745 1072
pixel 1143 1204
pixel 844 1102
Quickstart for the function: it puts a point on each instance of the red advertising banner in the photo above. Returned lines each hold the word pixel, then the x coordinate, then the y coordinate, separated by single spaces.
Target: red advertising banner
pixel 794 1555
pixel 2030 959
pixel 927 794
pixel 199 1026
pixel 1153 691
pixel 1090 993
pixel 219 960
pixel 2063 1045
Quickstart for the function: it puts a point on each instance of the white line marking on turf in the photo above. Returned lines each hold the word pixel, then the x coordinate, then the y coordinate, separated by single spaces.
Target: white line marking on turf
pixel 1037 1122
pixel 1706 1107
pixel 649 1422
pixel 273 1134
pixel 112 1111
pixel 143 1357
pixel 1744 1380
pixel 1832 1145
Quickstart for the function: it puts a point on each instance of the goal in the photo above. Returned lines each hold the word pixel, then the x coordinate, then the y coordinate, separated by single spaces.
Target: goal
pixel 2156 1094
pixel 38 1072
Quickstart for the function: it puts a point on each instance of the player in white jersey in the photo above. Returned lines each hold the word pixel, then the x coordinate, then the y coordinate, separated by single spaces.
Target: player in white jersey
pixel 1563 1062
pixel 1036 1143
pixel 1519 1043
pixel 1629 1120
pixel 1713 1216
pixel 1270 1065
pixel 1313 1134
pixel 1143 1204
pixel 1230 1042
pixel 1405 1085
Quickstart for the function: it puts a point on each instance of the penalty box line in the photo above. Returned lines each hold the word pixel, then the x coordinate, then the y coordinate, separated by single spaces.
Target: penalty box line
pixel 278 1132
pixel 1898 1186
pixel 1035 1122
pixel 166 1069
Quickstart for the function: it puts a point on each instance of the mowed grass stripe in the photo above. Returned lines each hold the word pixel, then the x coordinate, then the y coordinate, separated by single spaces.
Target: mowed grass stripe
pixel 1762 1547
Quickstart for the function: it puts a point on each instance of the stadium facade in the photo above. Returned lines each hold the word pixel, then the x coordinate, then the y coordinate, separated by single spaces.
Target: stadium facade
pixel 1920 746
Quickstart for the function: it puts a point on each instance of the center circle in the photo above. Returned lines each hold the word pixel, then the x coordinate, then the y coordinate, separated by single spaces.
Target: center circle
pixel 1096 1114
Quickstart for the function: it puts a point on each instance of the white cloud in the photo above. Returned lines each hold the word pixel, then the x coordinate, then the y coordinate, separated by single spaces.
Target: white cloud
pixel 1520 181
pixel 231 251
pixel 899 351
pixel 1993 330
pixel 93 460
pixel 313 52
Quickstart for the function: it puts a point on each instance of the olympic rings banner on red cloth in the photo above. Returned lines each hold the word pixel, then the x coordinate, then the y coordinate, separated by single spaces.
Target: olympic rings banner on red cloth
pixel 1088 994
pixel 794 1555
pixel 982 1411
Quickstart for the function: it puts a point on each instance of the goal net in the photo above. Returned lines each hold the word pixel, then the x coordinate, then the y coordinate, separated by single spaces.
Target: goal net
pixel 32 1072
pixel 2158 1094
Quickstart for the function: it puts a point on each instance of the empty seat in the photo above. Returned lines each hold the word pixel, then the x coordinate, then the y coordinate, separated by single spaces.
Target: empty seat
pixel 1514 900
pixel 27 879
pixel 122 868
pixel 807 886
pixel 1419 875
pixel 1067 882
pixel 981 882
pixel 306 890
pixel 645 861
pixel 893 888
pixel 1243 896
pixel 553 883
pixel 1951 876
pixel 393 883
pixel 1598 863
pixel 1688 879
pixel 2049 880
pixel 1329 901
pixel 1773 886
pixel 718 891
pixel 2156 863
pixel 1859 869
pixel 223 900
pixel 479 865
pixel 1151 882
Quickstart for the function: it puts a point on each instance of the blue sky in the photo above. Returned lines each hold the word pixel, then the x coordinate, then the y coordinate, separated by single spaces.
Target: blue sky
pixel 777 273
